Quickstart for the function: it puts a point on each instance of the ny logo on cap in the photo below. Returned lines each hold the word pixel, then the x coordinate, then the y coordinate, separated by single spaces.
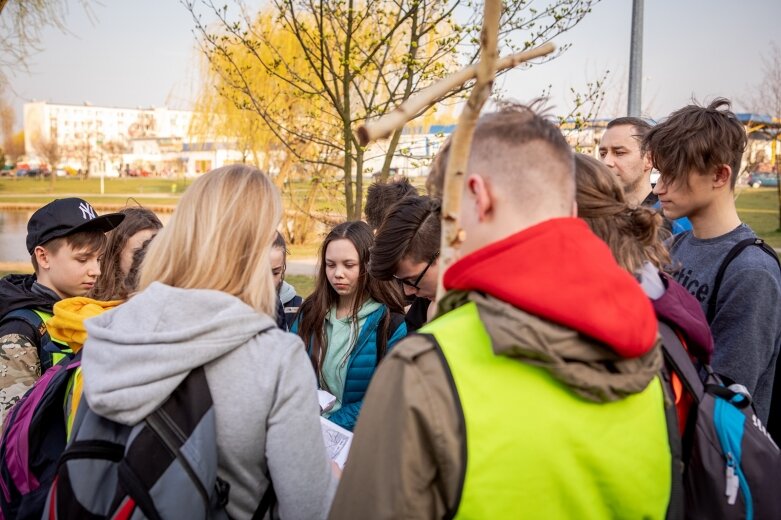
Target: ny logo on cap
pixel 87 212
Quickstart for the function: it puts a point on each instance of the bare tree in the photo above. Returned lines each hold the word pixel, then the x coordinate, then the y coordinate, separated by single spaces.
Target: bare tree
pixel 7 120
pixel 21 25
pixel 50 150
pixel 766 96
pixel 114 151
pixel 766 99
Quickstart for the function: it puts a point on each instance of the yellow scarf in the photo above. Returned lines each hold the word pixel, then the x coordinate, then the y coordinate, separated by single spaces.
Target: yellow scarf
pixel 67 324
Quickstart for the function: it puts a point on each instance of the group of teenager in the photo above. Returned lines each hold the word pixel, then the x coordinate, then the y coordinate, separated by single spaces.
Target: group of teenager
pixel 530 389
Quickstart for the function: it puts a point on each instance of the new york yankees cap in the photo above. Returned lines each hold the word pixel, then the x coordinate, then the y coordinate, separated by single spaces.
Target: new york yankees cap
pixel 64 217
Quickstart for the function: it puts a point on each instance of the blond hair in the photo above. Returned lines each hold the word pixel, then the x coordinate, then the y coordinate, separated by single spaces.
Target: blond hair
pixel 219 238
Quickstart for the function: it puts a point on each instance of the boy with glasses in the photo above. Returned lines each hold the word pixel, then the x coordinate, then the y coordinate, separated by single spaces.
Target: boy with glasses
pixel 406 248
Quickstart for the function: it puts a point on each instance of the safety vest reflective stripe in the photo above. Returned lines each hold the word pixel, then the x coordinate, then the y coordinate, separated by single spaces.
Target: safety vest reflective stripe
pixel 62 351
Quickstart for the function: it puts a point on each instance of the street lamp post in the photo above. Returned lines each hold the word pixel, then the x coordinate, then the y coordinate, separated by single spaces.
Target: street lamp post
pixel 636 60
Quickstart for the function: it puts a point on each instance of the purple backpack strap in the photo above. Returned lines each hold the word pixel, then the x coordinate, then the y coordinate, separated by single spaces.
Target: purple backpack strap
pixel 16 434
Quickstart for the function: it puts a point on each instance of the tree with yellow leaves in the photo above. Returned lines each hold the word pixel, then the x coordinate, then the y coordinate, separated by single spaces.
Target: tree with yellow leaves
pixel 360 59
pixel 225 113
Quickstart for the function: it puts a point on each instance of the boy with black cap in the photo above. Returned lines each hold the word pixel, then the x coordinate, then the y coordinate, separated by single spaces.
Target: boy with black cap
pixel 64 239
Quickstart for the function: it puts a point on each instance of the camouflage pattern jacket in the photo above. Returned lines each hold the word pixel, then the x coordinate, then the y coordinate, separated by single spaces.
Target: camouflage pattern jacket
pixel 20 365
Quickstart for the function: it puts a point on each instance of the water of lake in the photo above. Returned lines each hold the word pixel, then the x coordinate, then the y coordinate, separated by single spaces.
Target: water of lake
pixel 13 231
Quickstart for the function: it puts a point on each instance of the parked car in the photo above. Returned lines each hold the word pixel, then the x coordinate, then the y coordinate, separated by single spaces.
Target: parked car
pixel 757 179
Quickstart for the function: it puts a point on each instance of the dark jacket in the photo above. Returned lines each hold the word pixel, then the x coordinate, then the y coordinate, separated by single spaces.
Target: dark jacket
pixel 16 292
pixel 289 303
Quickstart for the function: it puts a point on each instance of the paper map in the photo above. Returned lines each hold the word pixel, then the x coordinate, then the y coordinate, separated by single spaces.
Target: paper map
pixel 337 441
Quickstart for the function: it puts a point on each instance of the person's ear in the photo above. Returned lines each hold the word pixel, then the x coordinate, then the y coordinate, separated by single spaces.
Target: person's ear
pixel 722 176
pixel 648 164
pixel 482 195
pixel 42 257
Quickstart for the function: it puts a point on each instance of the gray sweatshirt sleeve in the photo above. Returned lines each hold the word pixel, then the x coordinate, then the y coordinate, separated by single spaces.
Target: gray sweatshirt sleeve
pixel 746 329
pixel 297 460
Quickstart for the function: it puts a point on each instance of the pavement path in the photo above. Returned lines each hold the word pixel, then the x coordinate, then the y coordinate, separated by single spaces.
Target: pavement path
pixel 302 266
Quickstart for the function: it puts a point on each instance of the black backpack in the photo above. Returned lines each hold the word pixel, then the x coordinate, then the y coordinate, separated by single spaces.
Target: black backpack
pixel 34 437
pixel 726 465
pixel 163 467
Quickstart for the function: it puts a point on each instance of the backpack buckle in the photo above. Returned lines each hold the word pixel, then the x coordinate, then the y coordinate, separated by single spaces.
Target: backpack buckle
pixel 223 492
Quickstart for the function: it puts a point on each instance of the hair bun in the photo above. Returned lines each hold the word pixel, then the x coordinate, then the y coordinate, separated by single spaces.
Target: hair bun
pixel 645 223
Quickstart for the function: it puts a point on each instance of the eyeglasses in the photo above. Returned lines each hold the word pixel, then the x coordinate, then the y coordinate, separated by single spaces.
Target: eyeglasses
pixel 414 284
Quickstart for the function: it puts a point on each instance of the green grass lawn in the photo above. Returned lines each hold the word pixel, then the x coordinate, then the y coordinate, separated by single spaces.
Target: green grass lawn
pixel 153 192
pixel 759 209
pixel 304 284
pixel 42 186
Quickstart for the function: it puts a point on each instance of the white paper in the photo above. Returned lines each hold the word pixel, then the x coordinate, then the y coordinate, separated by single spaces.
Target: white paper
pixel 337 441
pixel 326 400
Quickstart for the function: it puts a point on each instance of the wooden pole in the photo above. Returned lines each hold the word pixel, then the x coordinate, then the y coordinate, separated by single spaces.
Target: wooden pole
pixel 415 105
pixel 461 140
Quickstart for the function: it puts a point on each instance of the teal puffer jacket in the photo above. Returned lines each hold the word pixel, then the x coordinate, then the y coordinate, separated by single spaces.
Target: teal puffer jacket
pixel 362 364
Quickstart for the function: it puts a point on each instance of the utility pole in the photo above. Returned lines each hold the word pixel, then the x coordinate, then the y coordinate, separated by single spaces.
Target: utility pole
pixel 636 60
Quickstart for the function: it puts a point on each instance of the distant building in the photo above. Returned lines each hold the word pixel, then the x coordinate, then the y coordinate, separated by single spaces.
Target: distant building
pixel 417 147
pixel 115 141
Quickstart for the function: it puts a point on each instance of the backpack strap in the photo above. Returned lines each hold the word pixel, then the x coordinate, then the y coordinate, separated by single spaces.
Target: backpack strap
pixel 733 253
pixel 396 319
pixel 50 351
pixel 267 502
pixel 675 354
pixel 677 357
pixel 32 319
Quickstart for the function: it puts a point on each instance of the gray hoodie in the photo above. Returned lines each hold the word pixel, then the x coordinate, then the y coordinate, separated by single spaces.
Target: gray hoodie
pixel 262 385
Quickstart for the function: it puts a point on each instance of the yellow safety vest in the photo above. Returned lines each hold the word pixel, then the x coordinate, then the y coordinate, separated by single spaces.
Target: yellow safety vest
pixel 536 450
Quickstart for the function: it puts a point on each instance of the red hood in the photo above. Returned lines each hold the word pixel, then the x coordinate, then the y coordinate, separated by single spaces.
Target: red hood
pixel 560 271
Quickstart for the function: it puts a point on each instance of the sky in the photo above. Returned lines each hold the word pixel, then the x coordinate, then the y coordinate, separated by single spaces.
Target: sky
pixel 142 53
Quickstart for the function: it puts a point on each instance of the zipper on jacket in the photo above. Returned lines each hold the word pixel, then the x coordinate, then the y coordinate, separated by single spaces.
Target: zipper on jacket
pixel 365 335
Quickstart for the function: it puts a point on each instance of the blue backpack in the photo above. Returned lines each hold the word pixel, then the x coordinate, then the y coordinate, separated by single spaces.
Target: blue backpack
pixel 725 465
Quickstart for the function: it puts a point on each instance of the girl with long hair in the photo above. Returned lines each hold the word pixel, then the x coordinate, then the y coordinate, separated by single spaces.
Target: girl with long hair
pixel 350 321
pixel 207 299
pixel 138 226
pixel 634 235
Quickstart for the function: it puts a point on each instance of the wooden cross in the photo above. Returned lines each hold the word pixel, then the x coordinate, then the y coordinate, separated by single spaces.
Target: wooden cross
pixel 461 140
